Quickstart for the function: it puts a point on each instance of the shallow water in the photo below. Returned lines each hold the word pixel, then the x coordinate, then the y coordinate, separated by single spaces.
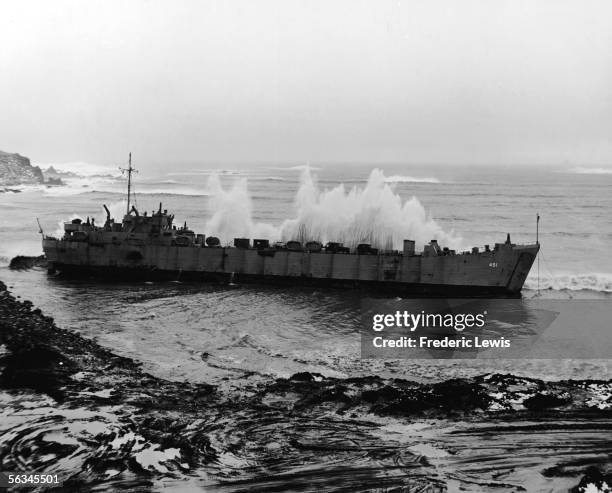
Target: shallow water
pixel 232 335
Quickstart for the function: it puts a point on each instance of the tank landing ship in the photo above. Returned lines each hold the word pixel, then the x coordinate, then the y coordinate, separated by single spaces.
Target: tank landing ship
pixel 151 247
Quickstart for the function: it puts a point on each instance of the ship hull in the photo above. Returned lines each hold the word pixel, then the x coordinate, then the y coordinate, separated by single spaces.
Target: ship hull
pixel 499 273
pixel 110 274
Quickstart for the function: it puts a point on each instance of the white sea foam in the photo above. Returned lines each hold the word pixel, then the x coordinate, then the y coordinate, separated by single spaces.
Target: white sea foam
pixel 117 209
pixel 172 190
pixel 113 185
pixel 601 282
pixel 207 172
pixel 299 167
pixel 30 187
pixel 81 168
pixel 591 171
pixel 232 212
pixel 372 213
pixel 600 395
pixel 78 185
pixel 274 178
pixel 410 179
pixel 152 457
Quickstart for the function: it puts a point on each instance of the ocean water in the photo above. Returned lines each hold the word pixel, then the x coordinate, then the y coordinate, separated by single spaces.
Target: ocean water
pixel 231 334
pixel 241 338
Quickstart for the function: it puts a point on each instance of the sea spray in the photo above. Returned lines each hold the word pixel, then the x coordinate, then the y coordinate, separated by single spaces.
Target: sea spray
pixel 117 209
pixel 373 214
pixel 597 281
pixel 232 213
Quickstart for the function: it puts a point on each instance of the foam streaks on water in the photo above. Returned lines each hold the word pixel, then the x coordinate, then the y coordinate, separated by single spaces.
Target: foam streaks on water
pixel 310 433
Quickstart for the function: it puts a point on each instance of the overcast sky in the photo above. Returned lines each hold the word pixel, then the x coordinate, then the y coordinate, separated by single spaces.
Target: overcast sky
pixel 294 81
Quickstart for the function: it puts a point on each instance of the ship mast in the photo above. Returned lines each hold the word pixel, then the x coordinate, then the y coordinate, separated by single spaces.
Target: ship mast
pixel 129 171
pixel 538 243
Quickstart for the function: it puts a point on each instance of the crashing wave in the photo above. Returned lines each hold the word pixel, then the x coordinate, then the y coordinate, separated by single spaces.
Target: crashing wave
pixel 370 213
pixel 601 282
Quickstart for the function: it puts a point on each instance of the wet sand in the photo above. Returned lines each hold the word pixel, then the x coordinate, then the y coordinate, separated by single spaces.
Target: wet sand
pixel 73 408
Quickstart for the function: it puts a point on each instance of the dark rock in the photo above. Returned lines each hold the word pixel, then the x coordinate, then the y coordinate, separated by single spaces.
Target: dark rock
pixel 305 377
pixel 52 173
pixel 381 395
pixel 384 397
pixel 39 368
pixel 22 262
pixel 17 170
pixel 54 181
pixel 545 401
pixel 593 480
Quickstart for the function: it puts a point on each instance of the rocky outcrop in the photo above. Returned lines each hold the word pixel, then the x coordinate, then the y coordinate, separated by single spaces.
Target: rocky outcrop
pixel 17 170
pixel 51 173
pixel 54 182
pixel 22 262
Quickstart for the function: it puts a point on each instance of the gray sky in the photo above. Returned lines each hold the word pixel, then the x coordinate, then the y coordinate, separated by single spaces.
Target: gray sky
pixel 293 81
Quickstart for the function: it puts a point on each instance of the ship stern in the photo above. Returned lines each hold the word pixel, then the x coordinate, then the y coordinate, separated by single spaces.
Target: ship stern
pixel 50 249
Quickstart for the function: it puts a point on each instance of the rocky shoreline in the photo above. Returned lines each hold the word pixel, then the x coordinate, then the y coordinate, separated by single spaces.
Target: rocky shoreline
pixel 16 169
pixel 75 408
pixel 22 262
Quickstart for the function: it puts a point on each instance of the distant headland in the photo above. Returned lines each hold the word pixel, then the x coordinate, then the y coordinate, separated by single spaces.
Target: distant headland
pixel 16 169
